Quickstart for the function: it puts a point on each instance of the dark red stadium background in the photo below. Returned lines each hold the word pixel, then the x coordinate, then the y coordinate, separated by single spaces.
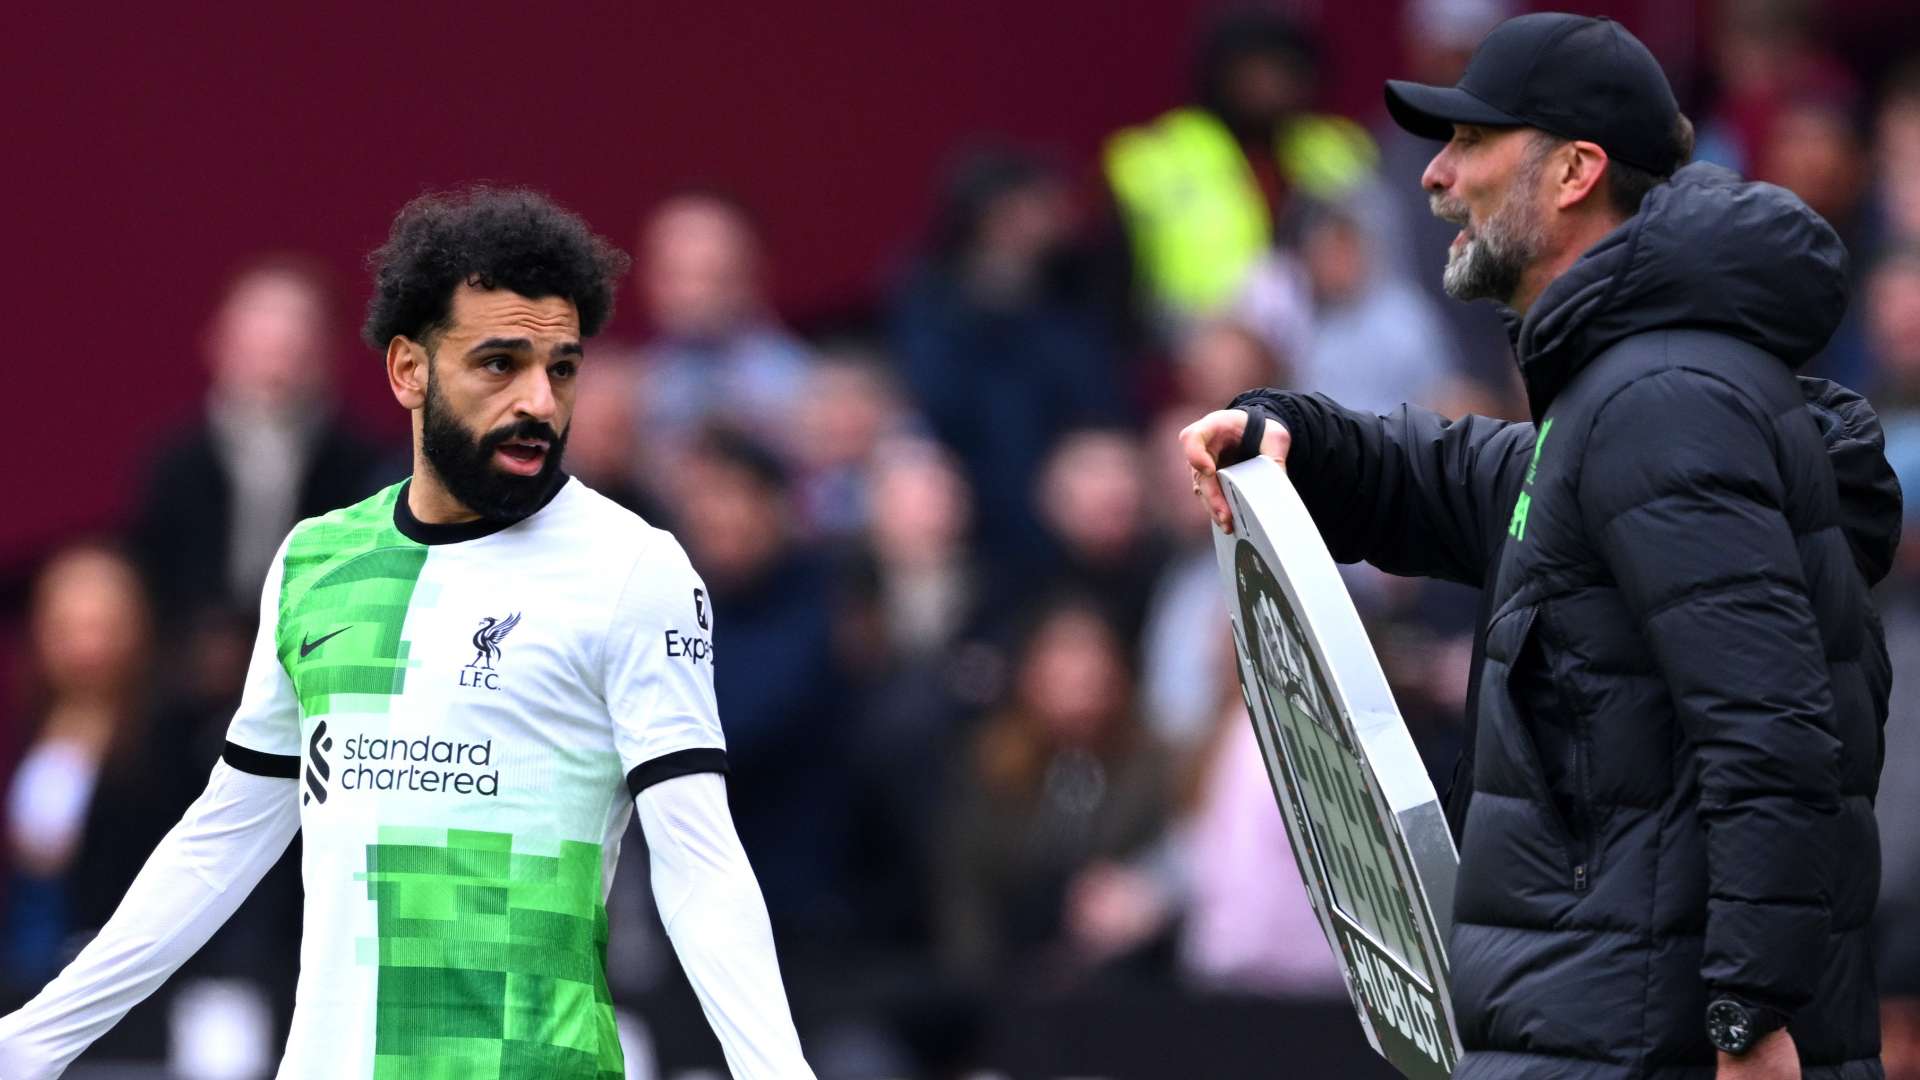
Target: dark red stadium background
pixel 152 148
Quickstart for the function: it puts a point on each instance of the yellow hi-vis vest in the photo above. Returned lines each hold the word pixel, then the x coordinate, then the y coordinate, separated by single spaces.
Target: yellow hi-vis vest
pixel 1193 208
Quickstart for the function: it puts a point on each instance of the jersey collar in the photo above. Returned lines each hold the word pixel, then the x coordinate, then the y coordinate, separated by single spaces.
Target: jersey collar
pixel 425 532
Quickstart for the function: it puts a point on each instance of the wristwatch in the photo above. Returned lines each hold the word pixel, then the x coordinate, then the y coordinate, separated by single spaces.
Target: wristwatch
pixel 1733 1025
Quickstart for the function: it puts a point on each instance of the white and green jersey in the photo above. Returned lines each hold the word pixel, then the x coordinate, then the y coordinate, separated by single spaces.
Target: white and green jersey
pixel 467 710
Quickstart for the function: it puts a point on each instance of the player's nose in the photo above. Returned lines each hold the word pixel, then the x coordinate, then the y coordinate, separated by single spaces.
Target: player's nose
pixel 1438 175
pixel 536 395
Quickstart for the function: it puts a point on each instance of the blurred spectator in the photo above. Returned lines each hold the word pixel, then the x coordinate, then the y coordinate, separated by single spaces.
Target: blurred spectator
pixel 849 404
pixel 1219 358
pixel 102 778
pixel 272 449
pixel 1895 200
pixel 269 451
pixel 1059 785
pixel 1814 150
pixel 995 347
pixel 1275 304
pixel 1893 318
pixel 1437 37
pixel 1379 341
pixel 1765 57
pixel 931 660
pixel 929 588
pixel 1205 190
pixel 1184 647
pixel 1422 630
pixel 777 674
pixel 603 444
pixel 1898 810
pixel 1248 924
pixel 719 356
pixel 1092 495
pixel 1892 303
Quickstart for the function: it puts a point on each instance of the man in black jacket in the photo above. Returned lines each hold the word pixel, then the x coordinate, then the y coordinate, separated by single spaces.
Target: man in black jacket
pixel 1667 849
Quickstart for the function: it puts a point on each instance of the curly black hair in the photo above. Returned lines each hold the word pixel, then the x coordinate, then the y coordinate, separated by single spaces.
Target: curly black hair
pixel 492 238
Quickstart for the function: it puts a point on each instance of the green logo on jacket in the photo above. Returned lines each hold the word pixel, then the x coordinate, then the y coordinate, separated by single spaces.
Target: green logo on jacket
pixel 1517 528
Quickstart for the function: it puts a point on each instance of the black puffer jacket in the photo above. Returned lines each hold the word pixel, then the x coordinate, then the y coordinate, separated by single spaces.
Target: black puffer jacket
pixel 1681 683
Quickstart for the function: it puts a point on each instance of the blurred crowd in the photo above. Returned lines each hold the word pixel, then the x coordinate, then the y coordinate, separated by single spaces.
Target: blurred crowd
pixel 976 675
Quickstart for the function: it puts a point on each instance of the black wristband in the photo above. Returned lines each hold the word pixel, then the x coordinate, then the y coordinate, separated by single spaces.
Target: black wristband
pixel 1253 436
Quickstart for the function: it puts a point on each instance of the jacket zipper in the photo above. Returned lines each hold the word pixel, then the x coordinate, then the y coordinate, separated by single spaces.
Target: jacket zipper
pixel 1579 844
pixel 1576 851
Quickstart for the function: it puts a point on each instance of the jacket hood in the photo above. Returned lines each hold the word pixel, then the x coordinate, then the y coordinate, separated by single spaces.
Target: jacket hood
pixel 1707 251
pixel 1870 499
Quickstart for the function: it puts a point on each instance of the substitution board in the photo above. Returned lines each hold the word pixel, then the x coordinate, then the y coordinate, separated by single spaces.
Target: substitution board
pixel 1367 830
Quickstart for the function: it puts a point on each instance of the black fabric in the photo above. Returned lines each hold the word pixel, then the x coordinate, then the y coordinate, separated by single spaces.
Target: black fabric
pixel 1574 76
pixel 1681 682
pixel 679 763
pixel 279 766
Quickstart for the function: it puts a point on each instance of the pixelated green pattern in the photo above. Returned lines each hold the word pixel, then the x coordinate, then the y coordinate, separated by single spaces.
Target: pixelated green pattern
pixel 492 962
pixel 351 572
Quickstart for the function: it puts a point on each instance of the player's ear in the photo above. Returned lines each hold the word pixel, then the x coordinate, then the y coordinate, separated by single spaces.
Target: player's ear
pixel 407 371
pixel 1581 166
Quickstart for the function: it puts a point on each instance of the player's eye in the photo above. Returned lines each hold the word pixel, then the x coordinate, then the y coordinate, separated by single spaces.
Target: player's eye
pixel 499 365
pixel 565 369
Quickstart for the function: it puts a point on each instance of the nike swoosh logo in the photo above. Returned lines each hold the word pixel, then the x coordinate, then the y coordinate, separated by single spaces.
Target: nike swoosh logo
pixel 308 646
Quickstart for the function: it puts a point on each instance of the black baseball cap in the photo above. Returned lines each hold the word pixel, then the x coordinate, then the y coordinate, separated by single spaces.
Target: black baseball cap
pixel 1568 75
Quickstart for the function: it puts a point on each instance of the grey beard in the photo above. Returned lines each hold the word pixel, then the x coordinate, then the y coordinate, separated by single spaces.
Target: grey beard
pixel 1489 266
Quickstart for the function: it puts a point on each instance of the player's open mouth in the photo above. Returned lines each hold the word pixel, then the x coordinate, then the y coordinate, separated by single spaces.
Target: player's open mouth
pixel 522 457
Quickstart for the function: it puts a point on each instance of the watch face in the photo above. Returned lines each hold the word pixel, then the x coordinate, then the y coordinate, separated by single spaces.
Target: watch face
pixel 1729 1026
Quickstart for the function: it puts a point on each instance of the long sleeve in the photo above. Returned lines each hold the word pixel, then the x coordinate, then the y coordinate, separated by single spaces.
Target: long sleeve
pixel 1412 492
pixel 1685 495
pixel 192 883
pixel 713 912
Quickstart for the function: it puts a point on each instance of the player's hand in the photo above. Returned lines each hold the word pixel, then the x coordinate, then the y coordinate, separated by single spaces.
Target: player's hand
pixel 1774 1057
pixel 1214 434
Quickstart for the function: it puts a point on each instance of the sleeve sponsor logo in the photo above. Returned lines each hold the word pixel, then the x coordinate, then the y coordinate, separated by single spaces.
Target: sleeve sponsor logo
pixel 686 646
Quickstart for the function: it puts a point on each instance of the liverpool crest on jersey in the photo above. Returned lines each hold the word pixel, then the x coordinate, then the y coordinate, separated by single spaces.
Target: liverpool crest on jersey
pixel 486 650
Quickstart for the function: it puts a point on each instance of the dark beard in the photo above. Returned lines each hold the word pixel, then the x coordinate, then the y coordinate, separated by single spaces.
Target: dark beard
pixel 464 461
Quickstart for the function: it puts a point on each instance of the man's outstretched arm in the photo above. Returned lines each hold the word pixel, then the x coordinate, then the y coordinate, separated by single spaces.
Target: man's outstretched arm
pixel 228 839
pixel 195 879
pixel 714 914
pixel 1411 492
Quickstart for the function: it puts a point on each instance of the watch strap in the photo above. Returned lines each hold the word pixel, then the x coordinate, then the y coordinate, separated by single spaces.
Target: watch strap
pixel 1765 1021
pixel 1759 1021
